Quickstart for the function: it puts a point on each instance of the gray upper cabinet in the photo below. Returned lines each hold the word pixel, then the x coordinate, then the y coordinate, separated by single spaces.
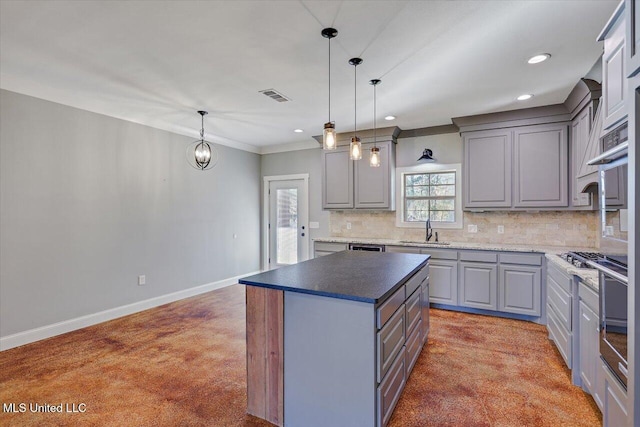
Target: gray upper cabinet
pixel 487 169
pixel 614 82
pixel 517 167
pixel 337 179
pixel 374 186
pixel 349 184
pixel 632 36
pixel 540 166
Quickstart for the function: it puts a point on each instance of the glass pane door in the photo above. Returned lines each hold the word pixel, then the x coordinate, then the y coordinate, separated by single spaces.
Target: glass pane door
pixel 287 226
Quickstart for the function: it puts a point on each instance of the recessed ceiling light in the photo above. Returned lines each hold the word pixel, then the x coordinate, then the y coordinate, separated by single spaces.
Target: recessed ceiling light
pixel 390 118
pixel 536 59
pixel 524 97
pixel 298 130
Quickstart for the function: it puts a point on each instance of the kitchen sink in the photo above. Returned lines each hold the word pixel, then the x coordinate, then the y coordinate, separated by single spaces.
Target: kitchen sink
pixel 422 242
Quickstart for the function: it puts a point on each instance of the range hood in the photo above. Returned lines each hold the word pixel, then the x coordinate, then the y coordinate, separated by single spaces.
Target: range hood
pixel 587 174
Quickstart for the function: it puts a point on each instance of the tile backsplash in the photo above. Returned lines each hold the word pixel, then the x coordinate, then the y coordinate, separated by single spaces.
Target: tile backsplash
pixel 569 229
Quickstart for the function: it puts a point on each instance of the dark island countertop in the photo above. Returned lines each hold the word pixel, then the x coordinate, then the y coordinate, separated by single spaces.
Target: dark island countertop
pixel 354 275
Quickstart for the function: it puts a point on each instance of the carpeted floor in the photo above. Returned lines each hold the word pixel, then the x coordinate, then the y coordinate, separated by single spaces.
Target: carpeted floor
pixel 183 364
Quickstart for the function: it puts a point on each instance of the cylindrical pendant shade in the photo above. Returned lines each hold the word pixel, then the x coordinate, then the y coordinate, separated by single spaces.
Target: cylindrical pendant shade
pixel 355 149
pixel 329 136
pixel 374 159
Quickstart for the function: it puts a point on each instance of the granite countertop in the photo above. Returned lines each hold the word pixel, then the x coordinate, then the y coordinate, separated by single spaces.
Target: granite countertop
pixel 588 276
pixel 369 277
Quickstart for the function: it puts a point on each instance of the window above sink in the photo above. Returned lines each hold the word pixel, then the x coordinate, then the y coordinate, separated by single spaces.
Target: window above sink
pixel 429 190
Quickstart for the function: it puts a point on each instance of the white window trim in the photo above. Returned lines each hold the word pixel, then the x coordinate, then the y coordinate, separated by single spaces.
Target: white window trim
pixel 426 168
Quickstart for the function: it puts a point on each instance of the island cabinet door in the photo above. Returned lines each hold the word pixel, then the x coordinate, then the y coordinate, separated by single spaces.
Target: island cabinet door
pixel 425 310
pixel 390 389
pixel 390 341
pixel 443 282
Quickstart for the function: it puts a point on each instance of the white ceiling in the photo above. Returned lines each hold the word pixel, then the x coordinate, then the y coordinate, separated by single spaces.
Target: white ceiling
pixel 157 62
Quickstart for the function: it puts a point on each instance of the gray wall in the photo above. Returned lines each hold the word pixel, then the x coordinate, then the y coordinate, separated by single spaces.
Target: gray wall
pixel 90 202
pixel 302 161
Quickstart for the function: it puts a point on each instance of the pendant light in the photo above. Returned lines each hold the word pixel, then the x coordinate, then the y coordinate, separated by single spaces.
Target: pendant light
pixel 200 154
pixel 329 133
pixel 355 148
pixel 374 157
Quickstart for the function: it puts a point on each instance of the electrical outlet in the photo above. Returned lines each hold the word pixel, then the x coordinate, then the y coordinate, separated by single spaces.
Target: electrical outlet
pixel 608 230
pixel 348 226
pixel 472 228
pixel 142 280
pixel 501 229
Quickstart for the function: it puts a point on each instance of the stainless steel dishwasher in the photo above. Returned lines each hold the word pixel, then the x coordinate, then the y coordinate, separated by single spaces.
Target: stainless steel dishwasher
pixel 365 247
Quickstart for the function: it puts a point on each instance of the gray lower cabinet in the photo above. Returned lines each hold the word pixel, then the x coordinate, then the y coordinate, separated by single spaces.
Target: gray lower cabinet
pixel 510 282
pixel 519 289
pixel 399 339
pixel 326 248
pixel 443 285
pixel 541 160
pixel 615 401
pixel 391 388
pixel 425 310
pixel 478 285
pixel 588 327
pixel 560 311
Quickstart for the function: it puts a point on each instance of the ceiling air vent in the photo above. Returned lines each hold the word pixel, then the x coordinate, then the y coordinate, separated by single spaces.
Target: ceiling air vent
pixel 273 94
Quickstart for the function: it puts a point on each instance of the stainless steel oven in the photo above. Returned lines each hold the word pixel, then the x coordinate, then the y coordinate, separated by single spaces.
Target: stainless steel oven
pixel 613 317
pixel 612 198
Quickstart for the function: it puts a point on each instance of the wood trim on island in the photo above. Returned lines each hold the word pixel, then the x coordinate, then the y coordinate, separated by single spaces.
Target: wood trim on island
pixel 265 354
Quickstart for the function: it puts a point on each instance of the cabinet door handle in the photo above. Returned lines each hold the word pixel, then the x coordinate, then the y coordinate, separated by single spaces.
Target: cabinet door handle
pixel 623 370
pixel 586 317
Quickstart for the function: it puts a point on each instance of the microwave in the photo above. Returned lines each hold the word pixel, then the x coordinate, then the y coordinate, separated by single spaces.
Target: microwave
pixel 613 192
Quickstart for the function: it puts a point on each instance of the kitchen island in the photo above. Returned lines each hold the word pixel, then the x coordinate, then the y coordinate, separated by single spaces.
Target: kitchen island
pixel 332 340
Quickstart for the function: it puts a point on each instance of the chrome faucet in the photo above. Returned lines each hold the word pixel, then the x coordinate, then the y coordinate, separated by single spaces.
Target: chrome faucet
pixel 428 229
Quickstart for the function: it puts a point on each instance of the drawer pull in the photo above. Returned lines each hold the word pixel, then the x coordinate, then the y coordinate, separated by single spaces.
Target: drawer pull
pixel 586 317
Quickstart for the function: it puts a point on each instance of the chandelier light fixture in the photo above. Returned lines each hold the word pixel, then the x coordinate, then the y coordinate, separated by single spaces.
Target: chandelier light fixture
pixel 374 158
pixel 355 148
pixel 200 154
pixel 329 133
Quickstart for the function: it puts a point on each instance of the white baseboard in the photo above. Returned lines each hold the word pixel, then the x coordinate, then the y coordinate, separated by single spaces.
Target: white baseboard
pixel 37 334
